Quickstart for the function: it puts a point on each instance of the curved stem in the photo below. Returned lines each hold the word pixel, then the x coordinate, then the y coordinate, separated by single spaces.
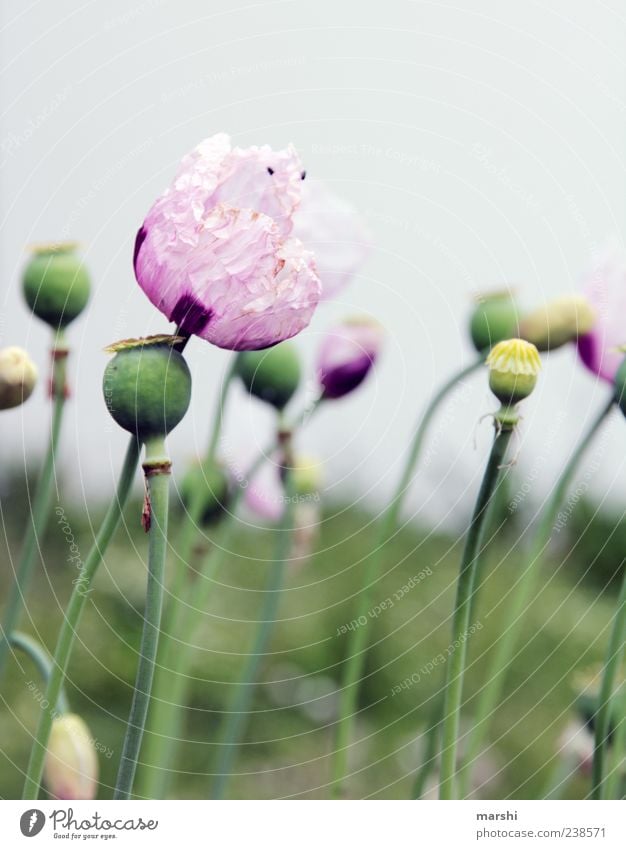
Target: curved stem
pixel 67 634
pixel 42 661
pixel 517 603
pixel 603 714
pixel 357 644
pixel 238 710
pixel 455 667
pixel 40 513
pixel 157 472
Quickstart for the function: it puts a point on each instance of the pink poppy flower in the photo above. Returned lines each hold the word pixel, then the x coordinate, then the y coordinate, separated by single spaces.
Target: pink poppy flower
pixel 336 234
pixel 347 355
pixel 215 253
pixel 605 289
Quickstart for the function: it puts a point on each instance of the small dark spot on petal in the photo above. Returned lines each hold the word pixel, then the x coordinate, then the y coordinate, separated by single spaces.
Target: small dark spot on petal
pixel 303 175
pixel 139 240
pixel 190 315
pixel 270 171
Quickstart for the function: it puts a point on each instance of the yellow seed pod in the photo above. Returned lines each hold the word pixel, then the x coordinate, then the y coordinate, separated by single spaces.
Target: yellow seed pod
pixel 514 365
pixel 558 322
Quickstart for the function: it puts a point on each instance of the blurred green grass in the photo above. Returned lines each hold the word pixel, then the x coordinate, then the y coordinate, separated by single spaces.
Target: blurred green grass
pixel 289 736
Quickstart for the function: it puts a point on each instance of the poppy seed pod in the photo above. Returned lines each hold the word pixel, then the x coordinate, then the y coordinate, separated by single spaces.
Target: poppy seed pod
pixel 56 284
pixel 18 376
pixel 513 368
pixel 147 386
pixel 558 322
pixel 272 375
pixel 206 484
pixel 494 319
pixel 71 765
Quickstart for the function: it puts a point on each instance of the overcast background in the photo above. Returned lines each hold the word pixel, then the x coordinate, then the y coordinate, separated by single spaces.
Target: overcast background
pixel 483 141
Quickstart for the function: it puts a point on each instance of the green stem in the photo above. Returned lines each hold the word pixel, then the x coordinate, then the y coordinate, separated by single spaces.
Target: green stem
pixel 455 668
pixel 150 782
pixel 67 634
pixel 613 781
pixel 40 513
pixel 603 714
pixel 157 472
pixel 171 680
pixel 357 645
pixel 42 661
pixel 218 416
pixel 517 603
pixel 239 708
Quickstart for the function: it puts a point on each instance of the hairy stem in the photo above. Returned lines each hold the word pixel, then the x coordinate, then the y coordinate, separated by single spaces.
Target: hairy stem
pixel 455 667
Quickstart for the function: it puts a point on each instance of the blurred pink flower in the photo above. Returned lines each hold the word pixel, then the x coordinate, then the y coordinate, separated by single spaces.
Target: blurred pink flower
pixel 605 288
pixel 265 497
pixel 215 253
pixel 347 355
pixel 335 232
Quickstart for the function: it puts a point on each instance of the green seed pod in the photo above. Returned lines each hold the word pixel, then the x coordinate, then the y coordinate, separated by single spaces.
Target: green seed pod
pixel 207 485
pixel 620 386
pixel 147 386
pixel 558 322
pixel 18 376
pixel 514 365
pixel 56 284
pixel 494 319
pixel 272 375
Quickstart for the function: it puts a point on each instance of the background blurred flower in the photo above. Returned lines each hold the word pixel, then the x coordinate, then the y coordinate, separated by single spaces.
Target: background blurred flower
pixel 71 767
pixel 347 355
pixel 215 255
pixel 335 232
pixel 604 285
pixel 265 497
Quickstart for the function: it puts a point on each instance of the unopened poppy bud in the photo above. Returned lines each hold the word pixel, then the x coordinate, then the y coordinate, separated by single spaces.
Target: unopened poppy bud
pixel 273 375
pixel 206 485
pixel 56 284
pixel 494 319
pixel 18 376
pixel 514 365
pixel 71 765
pixel 147 386
pixel 558 322
pixel 347 355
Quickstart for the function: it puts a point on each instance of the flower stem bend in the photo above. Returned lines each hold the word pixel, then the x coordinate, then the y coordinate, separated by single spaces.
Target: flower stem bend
pixel 40 513
pixel 69 626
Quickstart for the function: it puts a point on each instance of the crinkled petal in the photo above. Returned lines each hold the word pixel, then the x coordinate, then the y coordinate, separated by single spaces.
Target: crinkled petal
pixel 241 286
